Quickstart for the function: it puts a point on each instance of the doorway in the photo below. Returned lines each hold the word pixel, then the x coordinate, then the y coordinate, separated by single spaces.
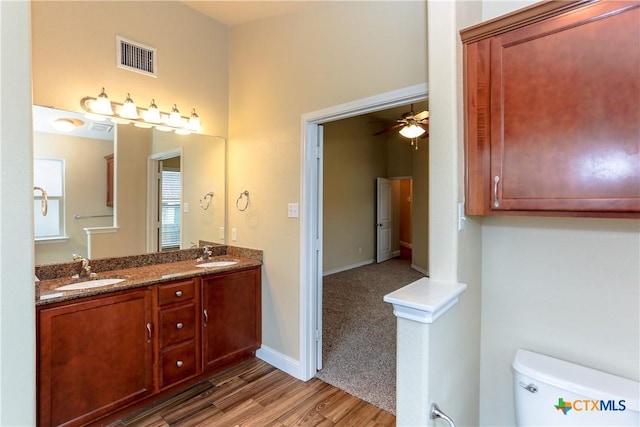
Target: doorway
pixel 164 213
pixel 311 218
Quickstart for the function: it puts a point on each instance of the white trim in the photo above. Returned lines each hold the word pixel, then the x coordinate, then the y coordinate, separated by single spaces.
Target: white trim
pixel 424 300
pixel 100 230
pixel 280 361
pixel 420 269
pixel 47 240
pixel 348 267
pixel 309 209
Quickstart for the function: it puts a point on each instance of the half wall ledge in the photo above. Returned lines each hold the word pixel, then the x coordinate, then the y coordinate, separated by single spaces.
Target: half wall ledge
pixel 424 300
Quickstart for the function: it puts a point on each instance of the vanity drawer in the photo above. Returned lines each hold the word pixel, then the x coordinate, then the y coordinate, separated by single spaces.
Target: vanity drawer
pixel 177 364
pixel 171 293
pixel 177 324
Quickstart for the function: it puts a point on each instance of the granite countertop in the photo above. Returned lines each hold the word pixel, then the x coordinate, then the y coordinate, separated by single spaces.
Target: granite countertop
pixel 143 275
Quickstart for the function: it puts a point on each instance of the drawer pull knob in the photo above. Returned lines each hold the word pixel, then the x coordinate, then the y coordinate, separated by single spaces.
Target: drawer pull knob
pixel 179 325
pixel 178 293
pixel 179 363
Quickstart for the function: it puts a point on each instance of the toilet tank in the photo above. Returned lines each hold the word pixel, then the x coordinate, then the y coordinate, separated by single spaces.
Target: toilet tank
pixel 552 392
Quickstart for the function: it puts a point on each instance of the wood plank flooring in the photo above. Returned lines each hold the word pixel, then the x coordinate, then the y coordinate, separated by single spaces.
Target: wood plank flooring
pixel 255 393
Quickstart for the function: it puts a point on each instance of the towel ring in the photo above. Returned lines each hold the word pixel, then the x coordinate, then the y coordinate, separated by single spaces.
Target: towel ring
pixel 205 202
pixel 246 204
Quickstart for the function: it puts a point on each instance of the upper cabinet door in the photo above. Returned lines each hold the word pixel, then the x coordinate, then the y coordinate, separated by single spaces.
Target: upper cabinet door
pixel 563 117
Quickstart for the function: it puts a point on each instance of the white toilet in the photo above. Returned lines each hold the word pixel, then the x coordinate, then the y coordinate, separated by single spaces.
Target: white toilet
pixel 552 392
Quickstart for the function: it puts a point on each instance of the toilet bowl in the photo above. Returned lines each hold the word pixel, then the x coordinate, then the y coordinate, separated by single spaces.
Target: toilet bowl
pixel 552 392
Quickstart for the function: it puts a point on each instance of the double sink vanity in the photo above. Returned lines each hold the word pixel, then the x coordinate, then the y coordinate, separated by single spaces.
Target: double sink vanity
pixel 145 327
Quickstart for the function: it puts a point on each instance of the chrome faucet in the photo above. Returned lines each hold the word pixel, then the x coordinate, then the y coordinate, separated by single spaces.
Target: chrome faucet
pixel 85 269
pixel 206 253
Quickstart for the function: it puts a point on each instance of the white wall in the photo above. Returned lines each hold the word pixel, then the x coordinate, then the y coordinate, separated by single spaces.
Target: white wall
pixel 17 310
pixel 281 68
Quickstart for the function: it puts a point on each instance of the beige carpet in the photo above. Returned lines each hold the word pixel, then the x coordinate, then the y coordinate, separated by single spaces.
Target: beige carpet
pixel 359 330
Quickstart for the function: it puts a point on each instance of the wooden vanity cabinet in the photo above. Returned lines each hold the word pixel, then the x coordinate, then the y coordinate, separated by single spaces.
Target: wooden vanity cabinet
pixel 232 325
pixel 179 350
pixel 553 111
pixel 95 356
pixel 100 355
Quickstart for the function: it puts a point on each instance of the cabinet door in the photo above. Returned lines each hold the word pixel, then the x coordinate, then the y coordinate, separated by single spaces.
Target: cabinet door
pixel 94 357
pixel 565 112
pixel 232 317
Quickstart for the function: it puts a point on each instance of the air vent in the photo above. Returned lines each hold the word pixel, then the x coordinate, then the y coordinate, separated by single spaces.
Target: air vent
pixel 136 57
pixel 100 127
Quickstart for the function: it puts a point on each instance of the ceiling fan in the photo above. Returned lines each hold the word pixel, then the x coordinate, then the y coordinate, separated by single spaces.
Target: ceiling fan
pixel 411 125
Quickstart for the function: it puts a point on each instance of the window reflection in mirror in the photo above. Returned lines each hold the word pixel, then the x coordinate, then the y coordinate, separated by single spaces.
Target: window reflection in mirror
pixel 126 225
pixel 71 167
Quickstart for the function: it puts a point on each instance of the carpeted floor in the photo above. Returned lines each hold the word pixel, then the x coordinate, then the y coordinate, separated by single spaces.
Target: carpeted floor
pixel 359 330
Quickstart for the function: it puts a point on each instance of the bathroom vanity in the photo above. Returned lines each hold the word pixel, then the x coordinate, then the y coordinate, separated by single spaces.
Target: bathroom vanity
pixel 106 350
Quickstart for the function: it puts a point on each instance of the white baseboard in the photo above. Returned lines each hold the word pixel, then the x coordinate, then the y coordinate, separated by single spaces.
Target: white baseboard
pixel 348 267
pixel 421 270
pixel 280 361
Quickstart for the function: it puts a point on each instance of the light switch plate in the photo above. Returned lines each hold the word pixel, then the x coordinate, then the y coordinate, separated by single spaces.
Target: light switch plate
pixel 293 210
pixel 234 234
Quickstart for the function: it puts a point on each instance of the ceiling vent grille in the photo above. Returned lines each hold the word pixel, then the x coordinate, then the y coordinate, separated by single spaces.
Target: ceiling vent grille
pixel 100 127
pixel 134 56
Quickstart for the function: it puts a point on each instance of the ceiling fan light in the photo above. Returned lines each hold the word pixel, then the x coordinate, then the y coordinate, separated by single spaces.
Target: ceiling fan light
pixel 102 104
pixel 412 131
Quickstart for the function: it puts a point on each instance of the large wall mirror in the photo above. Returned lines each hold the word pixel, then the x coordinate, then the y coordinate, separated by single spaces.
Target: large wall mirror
pixel 117 190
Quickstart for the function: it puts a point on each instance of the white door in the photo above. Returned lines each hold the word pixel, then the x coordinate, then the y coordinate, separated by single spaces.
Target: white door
pixel 383 220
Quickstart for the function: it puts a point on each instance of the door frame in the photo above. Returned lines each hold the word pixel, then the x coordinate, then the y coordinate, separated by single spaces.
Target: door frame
pixel 311 212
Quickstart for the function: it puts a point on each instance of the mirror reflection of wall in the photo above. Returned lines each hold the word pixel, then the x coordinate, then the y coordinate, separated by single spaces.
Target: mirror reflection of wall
pixel 72 168
pixel 124 225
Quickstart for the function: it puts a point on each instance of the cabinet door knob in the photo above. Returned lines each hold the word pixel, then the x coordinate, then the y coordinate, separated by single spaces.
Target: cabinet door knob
pixel 206 317
pixel 179 325
pixel 179 363
pixel 496 202
pixel 178 293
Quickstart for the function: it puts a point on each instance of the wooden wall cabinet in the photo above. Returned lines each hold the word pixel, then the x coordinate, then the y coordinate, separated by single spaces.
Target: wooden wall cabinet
pixel 553 111
pixel 100 355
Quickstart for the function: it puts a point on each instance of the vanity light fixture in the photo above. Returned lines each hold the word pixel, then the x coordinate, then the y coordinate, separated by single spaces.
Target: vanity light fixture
pixel 127 112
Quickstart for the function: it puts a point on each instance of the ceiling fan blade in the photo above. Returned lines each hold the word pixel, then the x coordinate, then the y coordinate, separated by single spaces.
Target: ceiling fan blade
pixel 421 116
pixel 390 128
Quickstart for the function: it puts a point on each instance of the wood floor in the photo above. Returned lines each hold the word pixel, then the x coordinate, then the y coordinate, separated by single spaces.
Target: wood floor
pixel 257 394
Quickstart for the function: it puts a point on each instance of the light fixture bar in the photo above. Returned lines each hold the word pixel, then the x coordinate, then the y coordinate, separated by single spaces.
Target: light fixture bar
pixel 129 113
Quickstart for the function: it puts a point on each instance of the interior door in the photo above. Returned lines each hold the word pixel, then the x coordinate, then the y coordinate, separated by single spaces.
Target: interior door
pixel 383 220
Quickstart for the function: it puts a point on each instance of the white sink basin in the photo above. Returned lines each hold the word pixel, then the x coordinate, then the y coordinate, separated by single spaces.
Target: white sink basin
pixel 216 264
pixel 88 284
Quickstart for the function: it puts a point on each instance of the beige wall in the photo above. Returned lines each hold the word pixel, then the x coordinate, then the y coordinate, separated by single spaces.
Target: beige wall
pixel 74 56
pixel 85 190
pixel 568 288
pixel 353 159
pixel 281 68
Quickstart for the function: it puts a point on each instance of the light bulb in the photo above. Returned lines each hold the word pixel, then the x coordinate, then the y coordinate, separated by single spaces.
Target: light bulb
pixel 102 104
pixel 153 114
pixel 194 121
pixel 129 109
pixel 175 119
pixel 412 131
